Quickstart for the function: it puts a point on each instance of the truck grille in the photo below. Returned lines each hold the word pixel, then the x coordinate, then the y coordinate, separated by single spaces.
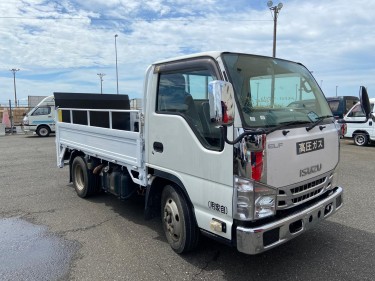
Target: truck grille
pixel 306 196
pixel 297 194
pixel 307 186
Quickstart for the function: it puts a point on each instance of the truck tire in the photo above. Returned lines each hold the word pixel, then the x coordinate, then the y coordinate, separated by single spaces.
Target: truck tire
pixel 178 221
pixel 360 139
pixel 43 131
pixel 84 181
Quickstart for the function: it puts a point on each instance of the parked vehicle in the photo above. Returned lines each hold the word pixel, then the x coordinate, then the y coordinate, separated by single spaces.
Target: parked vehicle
pixel 41 119
pixel 340 105
pixel 362 133
pixel 217 150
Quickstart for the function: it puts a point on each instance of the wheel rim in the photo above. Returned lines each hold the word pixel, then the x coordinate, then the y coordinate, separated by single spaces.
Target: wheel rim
pixel 360 139
pixel 172 220
pixel 78 177
pixel 43 131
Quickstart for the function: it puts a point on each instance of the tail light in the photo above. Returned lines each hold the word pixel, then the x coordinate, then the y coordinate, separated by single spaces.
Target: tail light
pixel 344 129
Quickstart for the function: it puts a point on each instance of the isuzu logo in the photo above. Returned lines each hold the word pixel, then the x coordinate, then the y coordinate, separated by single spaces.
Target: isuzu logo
pixel 310 170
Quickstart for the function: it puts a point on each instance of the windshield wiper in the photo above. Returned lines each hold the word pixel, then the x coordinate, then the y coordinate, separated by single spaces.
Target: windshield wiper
pixel 317 122
pixel 285 125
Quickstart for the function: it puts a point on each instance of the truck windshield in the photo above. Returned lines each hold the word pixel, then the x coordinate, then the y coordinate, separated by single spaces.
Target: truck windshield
pixel 271 92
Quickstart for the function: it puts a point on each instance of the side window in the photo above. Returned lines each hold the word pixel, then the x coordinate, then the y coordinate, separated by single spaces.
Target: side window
pixel 185 93
pixel 197 85
pixel 349 104
pixel 42 111
pixel 334 105
pixel 175 87
pixel 357 111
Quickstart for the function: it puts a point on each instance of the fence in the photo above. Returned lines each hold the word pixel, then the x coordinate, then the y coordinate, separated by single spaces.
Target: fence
pixel 17 113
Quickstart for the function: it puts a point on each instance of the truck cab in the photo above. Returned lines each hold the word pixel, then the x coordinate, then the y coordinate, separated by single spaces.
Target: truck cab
pixel 41 119
pixel 284 158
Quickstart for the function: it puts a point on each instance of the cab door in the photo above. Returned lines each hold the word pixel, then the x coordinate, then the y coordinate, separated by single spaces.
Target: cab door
pixel 184 146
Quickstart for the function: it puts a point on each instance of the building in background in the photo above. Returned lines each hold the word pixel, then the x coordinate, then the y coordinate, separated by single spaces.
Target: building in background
pixel 33 101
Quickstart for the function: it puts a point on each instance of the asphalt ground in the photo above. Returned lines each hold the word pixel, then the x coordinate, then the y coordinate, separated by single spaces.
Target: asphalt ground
pixel 48 233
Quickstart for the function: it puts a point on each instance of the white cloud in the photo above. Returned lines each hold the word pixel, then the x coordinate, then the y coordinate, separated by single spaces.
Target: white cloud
pixel 334 39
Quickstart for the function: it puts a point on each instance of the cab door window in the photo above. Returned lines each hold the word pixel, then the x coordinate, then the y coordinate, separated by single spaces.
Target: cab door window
pixel 42 111
pixel 185 93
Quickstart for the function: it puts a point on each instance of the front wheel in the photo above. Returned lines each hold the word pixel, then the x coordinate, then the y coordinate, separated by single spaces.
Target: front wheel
pixel 43 131
pixel 178 221
pixel 360 139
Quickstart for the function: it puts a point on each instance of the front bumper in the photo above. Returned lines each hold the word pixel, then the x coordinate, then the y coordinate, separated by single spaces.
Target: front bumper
pixel 259 239
pixel 27 129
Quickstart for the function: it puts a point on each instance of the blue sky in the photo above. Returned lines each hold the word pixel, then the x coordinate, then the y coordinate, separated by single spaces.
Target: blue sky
pixel 63 45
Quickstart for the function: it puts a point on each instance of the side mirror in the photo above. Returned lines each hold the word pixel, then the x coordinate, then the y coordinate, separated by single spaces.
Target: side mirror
pixel 221 100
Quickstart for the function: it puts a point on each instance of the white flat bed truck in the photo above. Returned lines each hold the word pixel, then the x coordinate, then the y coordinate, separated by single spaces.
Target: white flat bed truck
pixel 216 149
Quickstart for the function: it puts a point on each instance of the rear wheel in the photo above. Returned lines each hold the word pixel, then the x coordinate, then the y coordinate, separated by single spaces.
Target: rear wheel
pixel 178 221
pixel 84 182
pixel 360 139
pixel 43 131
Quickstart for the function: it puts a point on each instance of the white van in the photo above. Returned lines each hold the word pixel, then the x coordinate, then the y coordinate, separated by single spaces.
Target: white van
pixel 41 119
pixel 362 133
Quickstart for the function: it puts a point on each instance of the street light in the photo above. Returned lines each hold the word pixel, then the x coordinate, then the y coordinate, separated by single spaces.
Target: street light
pixel 275 10
pixel 116 61
pixel 101 81
pixel 14 70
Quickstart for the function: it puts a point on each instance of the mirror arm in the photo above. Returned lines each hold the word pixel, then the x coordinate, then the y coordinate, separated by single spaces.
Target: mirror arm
pixel 240 137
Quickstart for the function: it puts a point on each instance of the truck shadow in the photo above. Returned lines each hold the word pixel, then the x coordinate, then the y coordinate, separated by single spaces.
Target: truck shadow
pixel 331 251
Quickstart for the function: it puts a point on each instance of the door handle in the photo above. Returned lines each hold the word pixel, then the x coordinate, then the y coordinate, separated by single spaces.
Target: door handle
pixel 158 147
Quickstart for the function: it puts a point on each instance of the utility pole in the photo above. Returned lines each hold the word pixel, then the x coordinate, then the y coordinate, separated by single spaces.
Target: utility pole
pixel 14 70
pixel 276 11
pixel 101 81
pixel 116 61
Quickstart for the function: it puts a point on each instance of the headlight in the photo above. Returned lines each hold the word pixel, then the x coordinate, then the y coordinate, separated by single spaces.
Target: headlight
pixel 25 120
pixel 253 200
